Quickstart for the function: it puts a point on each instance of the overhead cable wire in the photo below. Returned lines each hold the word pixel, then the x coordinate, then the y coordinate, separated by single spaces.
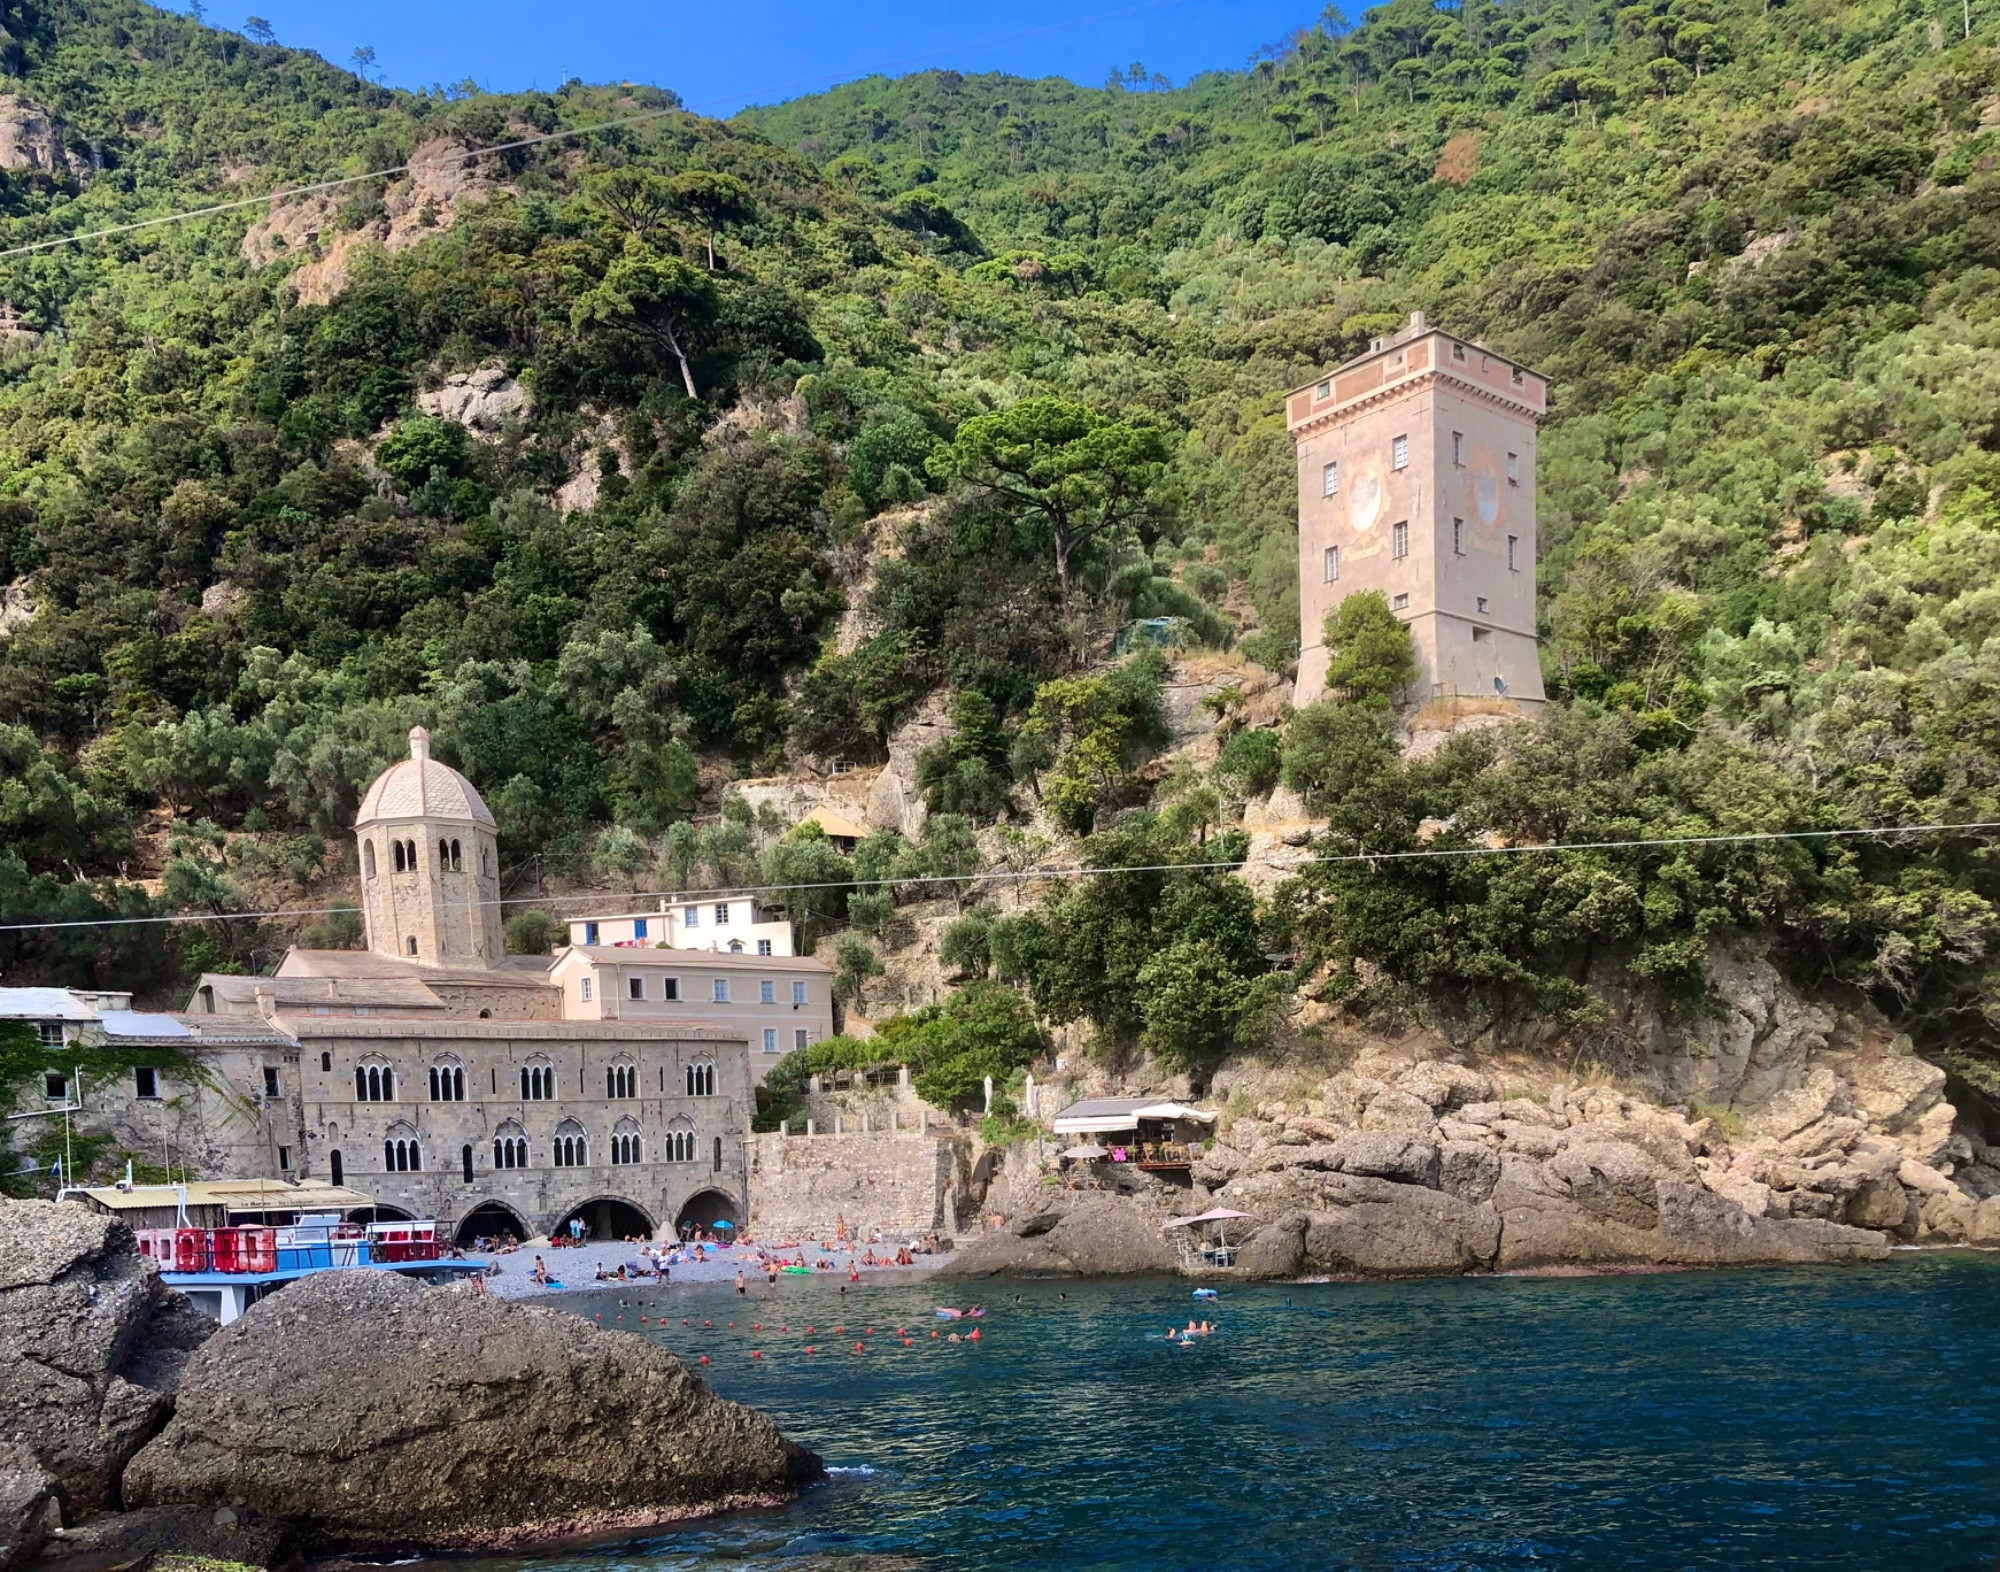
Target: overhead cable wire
pixel 1068 871
pixel 561 134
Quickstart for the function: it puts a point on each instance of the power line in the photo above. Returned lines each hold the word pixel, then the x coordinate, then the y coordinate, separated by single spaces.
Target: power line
pixel 1068 871
pixel 288 193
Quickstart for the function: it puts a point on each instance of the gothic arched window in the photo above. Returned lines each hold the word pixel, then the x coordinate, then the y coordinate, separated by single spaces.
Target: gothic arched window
pixel 621 1080
pixel 700 1078
pixel 625 1147
pixel 448 1081
pixel 538 1081
pixel 510 1146
pixel 680 1141
pixel 570 1149
pixel 368 859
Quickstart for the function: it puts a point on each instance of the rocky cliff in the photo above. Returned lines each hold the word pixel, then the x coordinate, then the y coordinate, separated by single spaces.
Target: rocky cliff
pixel 367 1410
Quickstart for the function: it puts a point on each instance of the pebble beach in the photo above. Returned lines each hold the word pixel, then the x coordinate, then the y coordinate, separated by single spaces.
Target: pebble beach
pixel 576 1268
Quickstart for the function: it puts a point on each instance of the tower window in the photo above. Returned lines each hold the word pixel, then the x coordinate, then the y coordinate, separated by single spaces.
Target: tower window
pixel 270 1081
pixel 1513 469
pixel 326 1061
pixel 1482 635
pixel 1324 390
pixel 368 859
pixel 1399 539
pixel 1399 452
pixel 1329 480
pixel 399 856
pixel 457 861
pixel 1458 537
pixel 1512 542
pixel 1458 352
pixel 1330 564
pixel 1400 603
pixel 1518 378
pixel 1458 448
pixel 410 944
pixel 1481 603
pixel 284 1159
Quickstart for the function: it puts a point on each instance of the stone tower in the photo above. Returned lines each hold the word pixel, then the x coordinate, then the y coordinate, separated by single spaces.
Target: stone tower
pixel 430 869
pixel 1417 478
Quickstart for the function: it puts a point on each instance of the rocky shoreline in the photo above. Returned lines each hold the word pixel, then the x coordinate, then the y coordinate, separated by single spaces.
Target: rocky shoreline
pixel 1407 1166
pixel 354 1411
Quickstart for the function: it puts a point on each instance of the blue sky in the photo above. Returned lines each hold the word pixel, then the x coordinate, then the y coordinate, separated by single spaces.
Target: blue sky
pixel 719 57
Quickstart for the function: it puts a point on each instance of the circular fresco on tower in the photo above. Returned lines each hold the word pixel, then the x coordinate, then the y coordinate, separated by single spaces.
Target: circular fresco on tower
pixel 1364 501
pixel 1486 494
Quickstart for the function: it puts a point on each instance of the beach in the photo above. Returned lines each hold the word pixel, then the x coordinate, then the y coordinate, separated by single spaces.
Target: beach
pixel 575 1269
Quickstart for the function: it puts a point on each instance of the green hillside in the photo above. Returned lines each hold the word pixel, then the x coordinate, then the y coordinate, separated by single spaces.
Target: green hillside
pixel 1754 246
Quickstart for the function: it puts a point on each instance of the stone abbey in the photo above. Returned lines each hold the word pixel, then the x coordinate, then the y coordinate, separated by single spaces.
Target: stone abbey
pixel 1417 480
pixel 611 1081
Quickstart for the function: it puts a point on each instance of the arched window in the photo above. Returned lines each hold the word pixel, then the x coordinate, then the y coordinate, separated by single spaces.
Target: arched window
pixel 368 859
pixel 374 1083
pixel 465 1162
pixel 457 862
pixel 701 1078
pixel 410 944
pixel 399 856
pixel 570 1149
pixel 625 1149
pixel 444 856
pixel 735 946
pixel 538 1082
pixel 621 1080
pixel 483 868
pixel 410 854
pixel 510 1146
pixel 400 1152
pixel 680 1142
pixel 326 1061
pixel 448 1082
pixel 334 1171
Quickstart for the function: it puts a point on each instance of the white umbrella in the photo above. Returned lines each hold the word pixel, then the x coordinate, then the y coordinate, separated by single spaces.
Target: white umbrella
pixel 1087 1153
pixel 1216 1214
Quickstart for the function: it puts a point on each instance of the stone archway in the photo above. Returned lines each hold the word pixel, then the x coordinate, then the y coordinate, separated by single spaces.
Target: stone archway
pixel 380 1213
pixel 607 1217
pixel 489 1220
pixel 706 1208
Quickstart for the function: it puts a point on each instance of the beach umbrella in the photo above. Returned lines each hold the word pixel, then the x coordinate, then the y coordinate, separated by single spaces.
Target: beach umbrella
pixel 1086 1153
pixel 722 1222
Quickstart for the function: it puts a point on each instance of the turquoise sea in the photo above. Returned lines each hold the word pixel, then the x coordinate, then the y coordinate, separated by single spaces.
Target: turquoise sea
pixel 1821 1419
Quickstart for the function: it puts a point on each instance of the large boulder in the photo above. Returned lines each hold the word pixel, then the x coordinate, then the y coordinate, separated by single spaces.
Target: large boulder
pixel 367 1410
pixel 1375 1226
pixel 91 1346
pixel 1700 1228
pixel 28 1506
pixel 1099 1236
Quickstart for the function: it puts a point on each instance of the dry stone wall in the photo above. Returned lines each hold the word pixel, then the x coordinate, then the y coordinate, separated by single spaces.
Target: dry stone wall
pixel 799 1184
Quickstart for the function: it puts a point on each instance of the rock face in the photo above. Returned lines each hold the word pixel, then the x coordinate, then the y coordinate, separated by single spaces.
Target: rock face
pixel 28 1506
pixel 367 1410
pixel 1096 1236
pixel 478 400
pixel 91 1347
pixel 31 138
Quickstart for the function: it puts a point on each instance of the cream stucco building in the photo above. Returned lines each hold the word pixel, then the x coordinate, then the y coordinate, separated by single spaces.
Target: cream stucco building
pixel 1417 479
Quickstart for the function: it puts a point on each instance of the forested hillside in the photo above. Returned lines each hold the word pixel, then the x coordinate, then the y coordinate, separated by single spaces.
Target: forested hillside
pixel 1010 354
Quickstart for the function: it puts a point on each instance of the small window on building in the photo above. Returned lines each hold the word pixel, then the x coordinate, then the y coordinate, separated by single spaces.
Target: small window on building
pixel 735 946
pixel 1518 377
pixel 636 987
pixel 1481 603
pixel 465 1162
pixel 798 993
pixel 638 927
pixel 718 1154
pixel 1399 539
pixel 1482 635
pixel 368 859
pixel 146 1083
pixel 1458 537
pixel 322 1009
pixel 1458 352
pixel 1399 453
pixel 270 1081
pixel 284 1159
pixel 670 987
pixel 584 989
pixel 721 914
pixel 1458 448
pixel 333 1170
pixel 326 1061
pixel 691 916
pixel 410 944
pixel 1329 480
pixel 1513 469
pixel 55 1086
pixel 1513 541
pixel 721 990
pixel 590 933
pixel 770 1039
pixel 802 1038
pixel 51 1033
pixel 1324 390
pixel 843 766
pixel 763 946
pixel 767 992
pixel 1330 564
pixel 1400 603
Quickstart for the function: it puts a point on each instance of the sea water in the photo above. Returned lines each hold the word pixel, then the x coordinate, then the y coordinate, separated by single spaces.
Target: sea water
pixel 1817 1418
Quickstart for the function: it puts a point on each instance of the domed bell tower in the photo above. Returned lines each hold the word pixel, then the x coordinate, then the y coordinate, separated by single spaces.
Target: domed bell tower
pixel 430 865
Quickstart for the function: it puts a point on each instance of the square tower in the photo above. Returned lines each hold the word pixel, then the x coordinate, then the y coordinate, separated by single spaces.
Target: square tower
pixel 1417 479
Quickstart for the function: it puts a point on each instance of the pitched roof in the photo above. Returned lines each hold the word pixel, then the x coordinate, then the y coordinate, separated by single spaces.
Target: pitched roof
pixel 836 823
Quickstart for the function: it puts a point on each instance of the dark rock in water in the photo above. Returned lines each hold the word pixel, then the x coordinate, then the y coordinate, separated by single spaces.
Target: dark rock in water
pixel 1701 1228
pixel 371 1411
pixel 1100 1236
pixel 28 1506
pixel 91 1346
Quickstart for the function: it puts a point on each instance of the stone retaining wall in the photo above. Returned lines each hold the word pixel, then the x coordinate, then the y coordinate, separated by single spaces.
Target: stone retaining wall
pixel 801 1183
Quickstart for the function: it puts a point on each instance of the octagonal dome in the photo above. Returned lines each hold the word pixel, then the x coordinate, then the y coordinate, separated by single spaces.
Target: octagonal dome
pixel 421 788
